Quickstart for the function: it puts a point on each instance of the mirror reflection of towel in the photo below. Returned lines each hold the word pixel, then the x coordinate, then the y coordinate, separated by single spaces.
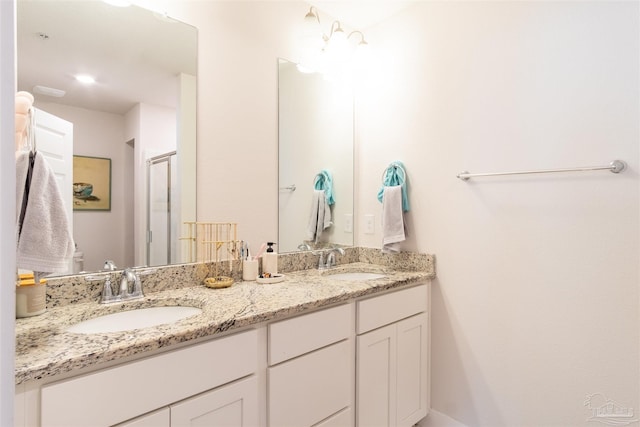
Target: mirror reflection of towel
pixel 393 229
pixel 44 243
pixel 319 217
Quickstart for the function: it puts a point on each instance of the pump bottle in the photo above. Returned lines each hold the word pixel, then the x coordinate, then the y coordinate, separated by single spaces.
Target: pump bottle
pixel 270 260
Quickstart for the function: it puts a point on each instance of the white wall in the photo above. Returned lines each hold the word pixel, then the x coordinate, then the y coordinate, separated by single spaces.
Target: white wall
pixel 100 235
pixel 238 46
pixel 536 302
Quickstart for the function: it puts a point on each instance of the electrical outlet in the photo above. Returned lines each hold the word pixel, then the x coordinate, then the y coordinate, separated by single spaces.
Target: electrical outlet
pixel 348 223
pixel 369 224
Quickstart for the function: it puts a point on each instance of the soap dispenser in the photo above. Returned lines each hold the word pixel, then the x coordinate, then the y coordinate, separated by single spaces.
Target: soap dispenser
pixel 270 260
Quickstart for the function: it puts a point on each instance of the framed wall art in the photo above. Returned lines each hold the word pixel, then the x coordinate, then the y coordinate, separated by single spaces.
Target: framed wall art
pixel 91 183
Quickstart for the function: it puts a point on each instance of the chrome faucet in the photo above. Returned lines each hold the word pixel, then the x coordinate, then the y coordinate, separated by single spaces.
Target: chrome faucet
pixel 109 265
pixel 321 261
pixel 304 247
pixel 129 276
pixel 331 258
pixel 129 288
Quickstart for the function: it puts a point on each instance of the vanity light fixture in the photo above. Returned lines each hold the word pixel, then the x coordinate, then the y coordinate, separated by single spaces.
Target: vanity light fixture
pixel 332 53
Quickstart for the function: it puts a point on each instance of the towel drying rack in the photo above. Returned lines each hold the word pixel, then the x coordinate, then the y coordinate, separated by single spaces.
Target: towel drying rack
pixel 615 166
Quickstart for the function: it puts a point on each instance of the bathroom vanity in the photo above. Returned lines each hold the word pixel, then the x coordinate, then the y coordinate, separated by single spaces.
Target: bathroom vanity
pixel 310 351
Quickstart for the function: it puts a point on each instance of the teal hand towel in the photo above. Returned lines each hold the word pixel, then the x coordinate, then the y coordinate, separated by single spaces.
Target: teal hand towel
pixel 395 175
pixel 324 181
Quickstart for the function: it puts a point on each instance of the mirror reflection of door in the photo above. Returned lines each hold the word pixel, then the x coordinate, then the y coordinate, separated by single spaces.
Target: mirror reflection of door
pixel 54 141
pixel 162 221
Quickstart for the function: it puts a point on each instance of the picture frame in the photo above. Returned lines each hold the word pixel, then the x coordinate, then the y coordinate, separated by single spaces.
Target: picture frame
pixel 91 183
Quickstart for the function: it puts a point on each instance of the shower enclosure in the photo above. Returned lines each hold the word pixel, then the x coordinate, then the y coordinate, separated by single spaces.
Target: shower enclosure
pixel 162 210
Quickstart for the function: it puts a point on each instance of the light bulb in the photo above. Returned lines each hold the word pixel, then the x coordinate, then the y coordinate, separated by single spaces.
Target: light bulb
pixel 362 56
pixel 338 49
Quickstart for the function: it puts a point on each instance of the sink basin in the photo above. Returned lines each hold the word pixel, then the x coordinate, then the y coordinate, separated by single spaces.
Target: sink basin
pixel 134 319
pixel 355 275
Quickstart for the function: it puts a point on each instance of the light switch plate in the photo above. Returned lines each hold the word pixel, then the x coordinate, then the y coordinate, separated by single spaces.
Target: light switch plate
pixel 369 224
pixel 348 223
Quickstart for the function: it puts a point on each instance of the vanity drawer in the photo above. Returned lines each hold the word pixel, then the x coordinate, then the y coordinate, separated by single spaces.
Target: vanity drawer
pixel 306 390
pixel 293 337
pixel 378 311
pixel 116 394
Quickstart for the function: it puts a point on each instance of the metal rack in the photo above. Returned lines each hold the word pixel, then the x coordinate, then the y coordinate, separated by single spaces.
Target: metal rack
pixel 212 241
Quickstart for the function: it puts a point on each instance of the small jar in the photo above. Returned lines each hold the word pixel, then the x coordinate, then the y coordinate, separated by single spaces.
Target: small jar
pixel 31 298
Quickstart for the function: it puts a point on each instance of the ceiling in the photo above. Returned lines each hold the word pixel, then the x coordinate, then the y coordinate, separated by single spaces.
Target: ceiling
pixel 134 54
pixel 360 14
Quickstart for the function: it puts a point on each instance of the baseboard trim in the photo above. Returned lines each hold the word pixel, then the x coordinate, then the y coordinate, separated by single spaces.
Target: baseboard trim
pixel 438 419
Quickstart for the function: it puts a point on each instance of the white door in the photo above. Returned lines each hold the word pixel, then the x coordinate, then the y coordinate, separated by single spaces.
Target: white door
pixel 54 141
pixel 162 208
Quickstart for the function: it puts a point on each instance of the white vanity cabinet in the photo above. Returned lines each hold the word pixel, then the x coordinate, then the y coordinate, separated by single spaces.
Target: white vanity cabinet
pixel 310 379
pixel 194 381
pixel 392 358
pixel 364 362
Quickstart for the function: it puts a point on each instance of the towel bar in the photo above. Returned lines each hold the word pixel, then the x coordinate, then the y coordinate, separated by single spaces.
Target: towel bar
pixel 291 187
pixel 615 166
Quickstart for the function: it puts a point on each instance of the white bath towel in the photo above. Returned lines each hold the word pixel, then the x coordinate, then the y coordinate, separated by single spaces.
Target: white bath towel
pixel 319 217
pixel 44 243
pixel 393 229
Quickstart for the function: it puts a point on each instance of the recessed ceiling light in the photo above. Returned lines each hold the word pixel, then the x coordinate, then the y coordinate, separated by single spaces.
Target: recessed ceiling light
pixel 86 79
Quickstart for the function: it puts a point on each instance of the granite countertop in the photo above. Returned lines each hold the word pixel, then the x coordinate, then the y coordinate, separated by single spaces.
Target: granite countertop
pixel 45 349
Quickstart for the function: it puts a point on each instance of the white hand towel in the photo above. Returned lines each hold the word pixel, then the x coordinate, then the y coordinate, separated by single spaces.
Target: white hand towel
pixel 320 216
pixel 313 214
pixel 45 244
pixel 393 231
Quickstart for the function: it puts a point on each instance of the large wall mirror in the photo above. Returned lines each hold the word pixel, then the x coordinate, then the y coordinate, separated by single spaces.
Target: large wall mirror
pixel 138 117
pixel 315 135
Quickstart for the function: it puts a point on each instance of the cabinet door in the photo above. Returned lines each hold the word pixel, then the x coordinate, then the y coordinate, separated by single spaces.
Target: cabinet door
pixel 159 418
pixel 233 405
pixel 412 398
pixel 376 378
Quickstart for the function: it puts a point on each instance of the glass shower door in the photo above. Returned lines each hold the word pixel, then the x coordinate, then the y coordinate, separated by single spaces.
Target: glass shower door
pixel 161 212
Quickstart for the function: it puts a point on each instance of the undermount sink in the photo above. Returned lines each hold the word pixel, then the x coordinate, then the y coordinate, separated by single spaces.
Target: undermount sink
pixel 134 319
pixel 355 275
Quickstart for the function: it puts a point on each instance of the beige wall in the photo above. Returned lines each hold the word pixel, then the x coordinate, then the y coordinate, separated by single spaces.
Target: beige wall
pixel 536 302
pixel 238 46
